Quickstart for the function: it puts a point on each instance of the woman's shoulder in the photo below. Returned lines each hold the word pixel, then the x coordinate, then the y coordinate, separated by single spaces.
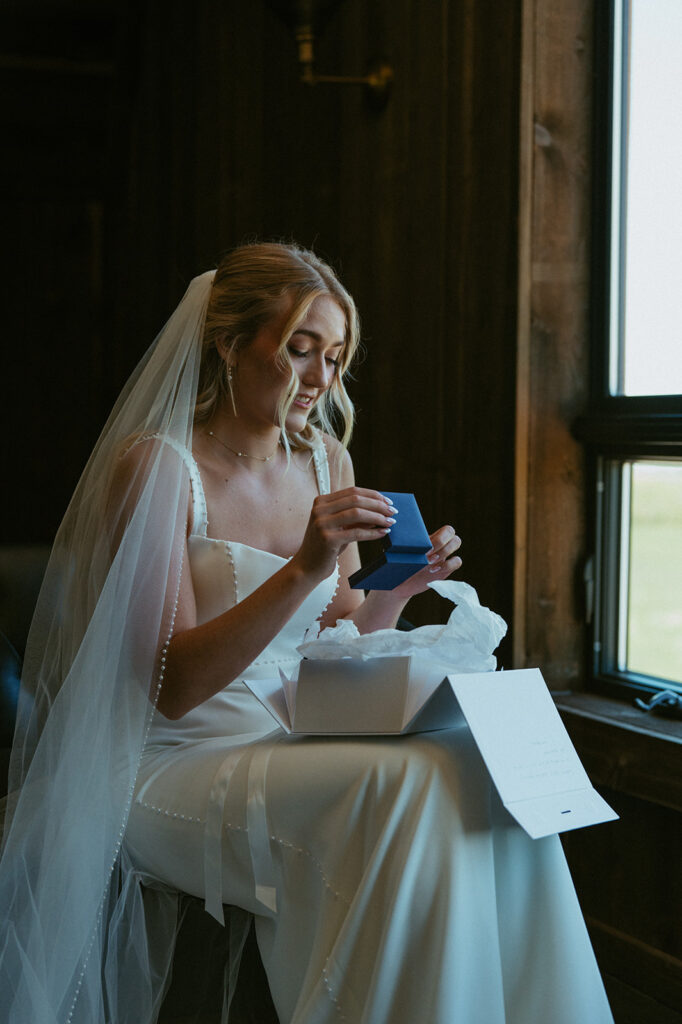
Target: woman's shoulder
pixel 150 458
pixel 139 448
pixel 140 454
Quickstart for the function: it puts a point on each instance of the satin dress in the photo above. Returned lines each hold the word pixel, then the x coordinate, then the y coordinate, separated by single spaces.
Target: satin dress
pixel 388 883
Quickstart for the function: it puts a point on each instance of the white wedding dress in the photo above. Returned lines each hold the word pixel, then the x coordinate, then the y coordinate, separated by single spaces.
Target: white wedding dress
pixel 389 884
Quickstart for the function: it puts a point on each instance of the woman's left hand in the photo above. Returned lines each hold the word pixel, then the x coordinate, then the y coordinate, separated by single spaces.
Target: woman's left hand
pixel 443 560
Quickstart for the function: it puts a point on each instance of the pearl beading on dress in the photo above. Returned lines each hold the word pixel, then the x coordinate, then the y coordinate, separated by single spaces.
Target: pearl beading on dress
pixel 230 826
pixel 171 814
pixel 235 582
pixel 131 792
pixel 332 997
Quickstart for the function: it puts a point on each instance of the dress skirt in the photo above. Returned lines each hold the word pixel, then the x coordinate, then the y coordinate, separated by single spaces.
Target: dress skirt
pixel 388 883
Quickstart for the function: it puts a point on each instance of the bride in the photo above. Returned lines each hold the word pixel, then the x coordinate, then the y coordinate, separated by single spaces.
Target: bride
pixel 217 522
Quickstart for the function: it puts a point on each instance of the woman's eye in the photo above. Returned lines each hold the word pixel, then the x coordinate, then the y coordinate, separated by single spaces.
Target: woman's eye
pixel 299 353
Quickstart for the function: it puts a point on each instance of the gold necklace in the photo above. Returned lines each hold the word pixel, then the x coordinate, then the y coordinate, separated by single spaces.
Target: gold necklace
pixel 243 455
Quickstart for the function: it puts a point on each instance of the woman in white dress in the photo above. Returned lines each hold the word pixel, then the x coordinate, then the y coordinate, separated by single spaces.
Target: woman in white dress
pixel 217 523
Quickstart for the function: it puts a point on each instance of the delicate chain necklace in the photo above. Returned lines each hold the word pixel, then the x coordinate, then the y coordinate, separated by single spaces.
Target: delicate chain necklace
pixel 243 455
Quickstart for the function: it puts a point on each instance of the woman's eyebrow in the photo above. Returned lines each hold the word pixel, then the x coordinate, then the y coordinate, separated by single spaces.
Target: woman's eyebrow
pixel 316 337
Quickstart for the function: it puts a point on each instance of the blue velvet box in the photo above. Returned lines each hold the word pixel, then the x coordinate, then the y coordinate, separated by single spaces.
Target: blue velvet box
pixel 404 552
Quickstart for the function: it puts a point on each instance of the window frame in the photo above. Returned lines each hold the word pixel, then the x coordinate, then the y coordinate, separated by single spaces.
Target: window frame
pixel 616 428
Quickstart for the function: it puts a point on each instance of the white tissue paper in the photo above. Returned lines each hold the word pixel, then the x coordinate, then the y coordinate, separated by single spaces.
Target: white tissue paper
pixel 387 682
pixel 464 644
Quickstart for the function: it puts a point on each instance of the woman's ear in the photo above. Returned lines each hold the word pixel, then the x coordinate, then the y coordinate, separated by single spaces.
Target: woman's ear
pixel 223 346
pixel 228 348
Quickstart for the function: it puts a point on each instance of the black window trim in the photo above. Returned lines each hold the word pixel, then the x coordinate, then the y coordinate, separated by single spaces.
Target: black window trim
pixel 614 427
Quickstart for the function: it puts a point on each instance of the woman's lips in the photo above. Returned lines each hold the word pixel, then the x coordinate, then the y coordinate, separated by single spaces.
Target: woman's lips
pixel 304 401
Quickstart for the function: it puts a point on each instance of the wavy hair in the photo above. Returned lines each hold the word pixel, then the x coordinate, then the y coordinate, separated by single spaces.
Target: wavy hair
pixel 250 283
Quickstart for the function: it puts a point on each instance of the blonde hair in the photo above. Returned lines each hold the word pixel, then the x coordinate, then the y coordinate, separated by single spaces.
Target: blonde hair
pixel 250 283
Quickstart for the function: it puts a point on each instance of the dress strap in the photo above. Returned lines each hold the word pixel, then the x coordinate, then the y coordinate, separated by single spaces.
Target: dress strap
pixel 321 467
pixel 199 510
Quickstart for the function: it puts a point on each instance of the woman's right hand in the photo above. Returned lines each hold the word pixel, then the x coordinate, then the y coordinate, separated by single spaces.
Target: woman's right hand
pixel 337 520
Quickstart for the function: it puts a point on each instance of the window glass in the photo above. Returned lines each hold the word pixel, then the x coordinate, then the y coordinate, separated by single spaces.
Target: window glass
pixel 650 137
pixel 650 641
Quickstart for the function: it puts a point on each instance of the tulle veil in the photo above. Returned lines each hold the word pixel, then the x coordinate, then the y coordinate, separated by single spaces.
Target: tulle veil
pixel 85 939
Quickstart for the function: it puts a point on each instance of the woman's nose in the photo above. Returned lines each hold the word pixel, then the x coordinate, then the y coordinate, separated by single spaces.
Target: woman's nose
pixel 318 373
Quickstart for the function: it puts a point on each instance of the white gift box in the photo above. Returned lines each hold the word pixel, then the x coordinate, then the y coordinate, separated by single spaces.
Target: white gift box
pixel 511 715
pixel 354 695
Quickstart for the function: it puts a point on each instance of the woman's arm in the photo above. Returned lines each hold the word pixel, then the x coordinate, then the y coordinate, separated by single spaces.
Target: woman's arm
pixel 202 660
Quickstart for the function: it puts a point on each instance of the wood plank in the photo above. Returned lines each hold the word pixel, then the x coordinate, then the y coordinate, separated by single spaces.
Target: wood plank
pixel 640 978
pixel 624 870
pixel 629 1006
pixel 627 755
pixel 551 528
pixel 523 366
pixel 617 711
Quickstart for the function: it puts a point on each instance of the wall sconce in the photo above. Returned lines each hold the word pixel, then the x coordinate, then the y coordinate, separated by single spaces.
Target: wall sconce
pixel 306 19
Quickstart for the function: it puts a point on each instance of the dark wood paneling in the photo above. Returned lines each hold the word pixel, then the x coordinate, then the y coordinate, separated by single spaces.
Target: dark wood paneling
pixel 416 204
pixel 630 1005
pixel 624 870
pixel 52 358
pixel 428 238
pixel 625 873
pixel 55 103
pixel 633 968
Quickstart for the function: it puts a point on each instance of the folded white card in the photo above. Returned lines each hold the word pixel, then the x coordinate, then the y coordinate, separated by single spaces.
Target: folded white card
pixel 528 751
pixel 511 715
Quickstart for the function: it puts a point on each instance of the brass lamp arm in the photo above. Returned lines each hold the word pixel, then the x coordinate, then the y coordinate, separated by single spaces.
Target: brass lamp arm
pixel 377 81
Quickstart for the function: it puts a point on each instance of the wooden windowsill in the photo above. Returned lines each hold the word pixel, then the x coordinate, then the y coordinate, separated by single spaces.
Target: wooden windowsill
pixel 625 749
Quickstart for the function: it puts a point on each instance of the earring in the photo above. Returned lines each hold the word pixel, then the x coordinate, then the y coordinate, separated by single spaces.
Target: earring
pixel 230 389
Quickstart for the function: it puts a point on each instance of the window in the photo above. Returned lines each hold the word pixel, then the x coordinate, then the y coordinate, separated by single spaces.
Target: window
pixel 634 430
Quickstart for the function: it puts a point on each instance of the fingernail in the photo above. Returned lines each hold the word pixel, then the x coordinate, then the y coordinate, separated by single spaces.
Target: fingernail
pixel 391 521
pixel 434 568
pixel 432 558
pixel 392 508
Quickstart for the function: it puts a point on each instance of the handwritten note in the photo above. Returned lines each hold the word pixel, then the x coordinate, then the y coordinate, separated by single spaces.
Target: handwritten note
pixel 528 752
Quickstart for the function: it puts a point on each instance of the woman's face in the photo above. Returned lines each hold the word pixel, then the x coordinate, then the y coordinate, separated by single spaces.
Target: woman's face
pixel 315 347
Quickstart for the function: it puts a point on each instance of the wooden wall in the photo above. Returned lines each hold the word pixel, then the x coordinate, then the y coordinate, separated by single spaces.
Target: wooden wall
pixel 208 140
pixel 56 76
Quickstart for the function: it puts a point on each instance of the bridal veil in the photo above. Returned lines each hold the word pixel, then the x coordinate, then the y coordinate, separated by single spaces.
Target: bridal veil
pixel 83 940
